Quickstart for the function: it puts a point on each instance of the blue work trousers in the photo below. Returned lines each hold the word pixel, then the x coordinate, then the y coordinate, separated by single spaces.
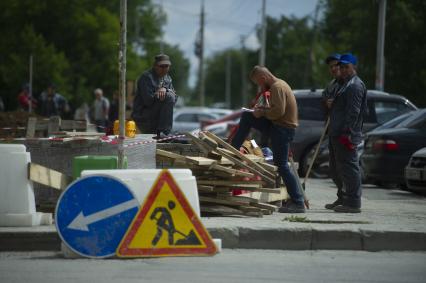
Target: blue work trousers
pixel 345 172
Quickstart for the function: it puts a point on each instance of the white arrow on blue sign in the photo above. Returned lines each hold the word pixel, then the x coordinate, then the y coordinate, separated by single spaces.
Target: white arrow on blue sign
pixel 93 214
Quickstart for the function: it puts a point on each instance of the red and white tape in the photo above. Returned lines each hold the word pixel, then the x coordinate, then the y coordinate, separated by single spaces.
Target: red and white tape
pixel 153 140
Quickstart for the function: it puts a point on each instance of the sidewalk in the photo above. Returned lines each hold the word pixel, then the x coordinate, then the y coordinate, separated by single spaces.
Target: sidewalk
pixel 390 220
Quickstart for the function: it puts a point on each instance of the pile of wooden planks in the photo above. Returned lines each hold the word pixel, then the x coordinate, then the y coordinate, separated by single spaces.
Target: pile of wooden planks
pixel 39 127
pixel 223 169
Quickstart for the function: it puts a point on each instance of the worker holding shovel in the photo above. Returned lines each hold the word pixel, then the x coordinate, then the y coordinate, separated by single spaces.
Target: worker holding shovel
pixel 164 222
pixel 345 133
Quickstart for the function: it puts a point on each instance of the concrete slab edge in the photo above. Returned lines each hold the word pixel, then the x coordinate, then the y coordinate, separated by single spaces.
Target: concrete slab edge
pixel 260 238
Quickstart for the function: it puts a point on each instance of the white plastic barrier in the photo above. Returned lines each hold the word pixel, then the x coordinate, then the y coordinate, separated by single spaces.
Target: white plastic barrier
pixel 140 181
pixel 17 201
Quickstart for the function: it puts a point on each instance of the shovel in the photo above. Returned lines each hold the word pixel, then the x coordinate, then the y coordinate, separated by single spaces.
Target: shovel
pixel 299 185
pixel 316 153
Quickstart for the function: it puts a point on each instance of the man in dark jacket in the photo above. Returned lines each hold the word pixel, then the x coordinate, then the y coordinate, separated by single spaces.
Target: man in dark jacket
pixel 334 85
pixel 155 99
pixel 345 131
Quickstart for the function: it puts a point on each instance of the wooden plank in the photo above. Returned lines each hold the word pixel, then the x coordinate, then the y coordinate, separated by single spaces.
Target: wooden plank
pixel 168 154
pixel 196 141
pixel 239 154
pixel 268 197
pixel 265 206
pixel 54 125
pixel 266 178
pixel 222 190
pixel 42 124
pixel 248 184
pixel 255 158
pixel 214 155
pixel 73 125
pixel 248 208
pixel 221 210
pixel 48 177
pixel 79 134
pixel 31 127
pixel 269 167
pixel 212 143
pixel 226 161
pixel 205 189
pixel 221 201
pixel 231 171
pixel 200 161
pixel 239 198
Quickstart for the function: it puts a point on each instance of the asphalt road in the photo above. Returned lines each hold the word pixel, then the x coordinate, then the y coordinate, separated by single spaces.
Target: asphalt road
pixel 229 266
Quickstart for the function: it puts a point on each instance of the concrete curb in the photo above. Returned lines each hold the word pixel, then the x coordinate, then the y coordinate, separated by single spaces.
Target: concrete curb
pixel 248 238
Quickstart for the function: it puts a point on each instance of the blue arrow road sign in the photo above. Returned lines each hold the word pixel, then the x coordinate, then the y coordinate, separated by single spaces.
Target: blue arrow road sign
pixel 93 214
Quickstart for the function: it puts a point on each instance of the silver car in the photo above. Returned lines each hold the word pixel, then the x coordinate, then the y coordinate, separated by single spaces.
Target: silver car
pixel 188 118
pixel 415 171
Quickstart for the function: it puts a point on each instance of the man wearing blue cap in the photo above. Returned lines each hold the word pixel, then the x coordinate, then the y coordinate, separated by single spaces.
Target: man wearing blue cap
pixel 345 132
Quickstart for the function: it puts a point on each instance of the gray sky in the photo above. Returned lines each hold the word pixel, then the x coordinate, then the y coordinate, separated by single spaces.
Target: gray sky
pixel 226 21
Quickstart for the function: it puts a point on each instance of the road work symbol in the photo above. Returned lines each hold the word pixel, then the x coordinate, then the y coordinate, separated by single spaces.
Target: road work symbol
pixel 93 214
pixel 165 222
pixel 166 225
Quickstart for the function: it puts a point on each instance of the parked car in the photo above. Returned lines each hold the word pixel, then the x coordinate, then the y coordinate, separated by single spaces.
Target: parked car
pixel 388 151
pixel 189 118
pixel 322 160
pixel 415 171
pixel 381 108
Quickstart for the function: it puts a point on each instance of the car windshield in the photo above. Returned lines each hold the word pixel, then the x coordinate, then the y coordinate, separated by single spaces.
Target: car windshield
pixel 413 119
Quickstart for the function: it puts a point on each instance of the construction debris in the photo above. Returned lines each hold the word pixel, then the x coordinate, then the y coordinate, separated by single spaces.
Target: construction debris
pixel 223 172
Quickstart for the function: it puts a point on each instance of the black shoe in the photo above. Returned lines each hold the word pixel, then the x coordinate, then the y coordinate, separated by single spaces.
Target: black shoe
pixel 333 205
pixel 347 209
pixel 291 207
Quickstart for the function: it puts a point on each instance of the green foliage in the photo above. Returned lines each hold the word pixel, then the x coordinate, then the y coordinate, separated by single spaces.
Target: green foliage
pixel 296 48
pixel 75 44
pixel 356 31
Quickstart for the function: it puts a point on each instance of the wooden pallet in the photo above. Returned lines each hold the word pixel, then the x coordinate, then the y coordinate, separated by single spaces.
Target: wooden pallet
pixel 216 180
pixel 37 127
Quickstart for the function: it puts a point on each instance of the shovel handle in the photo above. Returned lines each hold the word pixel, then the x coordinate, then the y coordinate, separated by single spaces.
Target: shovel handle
pixel 316 150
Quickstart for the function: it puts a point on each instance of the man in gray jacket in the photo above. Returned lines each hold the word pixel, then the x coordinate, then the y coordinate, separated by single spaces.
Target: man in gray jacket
pixel 155 99
pixel 345 132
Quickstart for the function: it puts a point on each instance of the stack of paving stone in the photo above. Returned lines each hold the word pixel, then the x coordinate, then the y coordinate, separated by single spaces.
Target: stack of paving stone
pixel 221 171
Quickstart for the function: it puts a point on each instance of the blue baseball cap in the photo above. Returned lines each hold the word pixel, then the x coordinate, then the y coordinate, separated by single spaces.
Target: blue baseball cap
pixel 348 58
pixel 332 57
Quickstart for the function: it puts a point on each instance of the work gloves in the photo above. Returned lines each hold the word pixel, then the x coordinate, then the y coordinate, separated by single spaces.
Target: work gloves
pixel 346 141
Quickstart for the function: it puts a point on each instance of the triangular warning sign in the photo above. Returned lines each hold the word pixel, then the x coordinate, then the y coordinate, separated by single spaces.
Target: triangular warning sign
pixel 166 225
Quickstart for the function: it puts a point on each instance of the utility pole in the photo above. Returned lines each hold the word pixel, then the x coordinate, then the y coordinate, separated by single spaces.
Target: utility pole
pixel 308 76
pixel 161 39
pixel 263 36
pixel 30 105
pixel 122 81
pixel 228 80
pixel 201 56
pixel 380 58
pixel 243 72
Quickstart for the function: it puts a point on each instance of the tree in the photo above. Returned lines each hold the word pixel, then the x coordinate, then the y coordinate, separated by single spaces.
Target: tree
pixel 75 44
pixel 355 30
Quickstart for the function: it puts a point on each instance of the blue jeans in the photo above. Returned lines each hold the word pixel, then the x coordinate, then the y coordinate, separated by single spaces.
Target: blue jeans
pixel 280 141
